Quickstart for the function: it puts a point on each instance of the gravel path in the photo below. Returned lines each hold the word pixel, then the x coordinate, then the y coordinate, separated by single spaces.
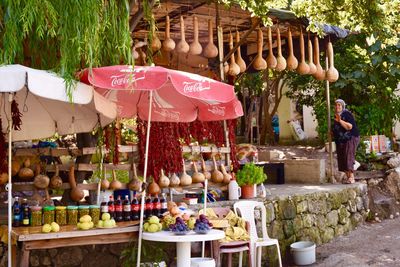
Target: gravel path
pixel 372 244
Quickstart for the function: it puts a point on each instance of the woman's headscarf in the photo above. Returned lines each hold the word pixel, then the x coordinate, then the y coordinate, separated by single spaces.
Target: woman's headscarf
pixel 341 102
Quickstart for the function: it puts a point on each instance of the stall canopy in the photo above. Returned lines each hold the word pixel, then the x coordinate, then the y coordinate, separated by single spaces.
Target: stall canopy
pixel 45 107
pixel 177 96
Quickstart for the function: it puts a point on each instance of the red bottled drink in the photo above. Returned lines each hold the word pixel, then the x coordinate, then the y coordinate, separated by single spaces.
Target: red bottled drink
pixel 135 207
pixel 148 208
pixel 103 206
pixel 111 207
pixel 118 210
pixel 127 208
pixel 163 202
pixel 156 206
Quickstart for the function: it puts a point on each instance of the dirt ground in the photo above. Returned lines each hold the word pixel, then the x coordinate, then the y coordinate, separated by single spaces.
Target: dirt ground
pixel 372 244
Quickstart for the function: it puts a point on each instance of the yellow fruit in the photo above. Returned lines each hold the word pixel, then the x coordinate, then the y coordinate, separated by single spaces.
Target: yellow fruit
pixel 85 226
pixel 106 216
pixel 113 222
pixel 55 227
pixel 108 224
pixel 152 228
pixel 159 226
pixel 100 224
pixel 91 224
pixel 154 219
pixel 46 228
pixel 85 219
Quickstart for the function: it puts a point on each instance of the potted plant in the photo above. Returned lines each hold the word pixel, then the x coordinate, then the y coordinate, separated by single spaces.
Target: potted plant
pixel 249 176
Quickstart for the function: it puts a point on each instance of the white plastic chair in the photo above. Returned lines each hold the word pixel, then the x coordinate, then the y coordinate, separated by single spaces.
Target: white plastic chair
pixel 246 210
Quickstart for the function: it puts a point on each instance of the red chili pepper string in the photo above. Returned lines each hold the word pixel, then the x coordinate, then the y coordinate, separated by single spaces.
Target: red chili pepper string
pixel 3 151
pixel 231 124
pixel 16 116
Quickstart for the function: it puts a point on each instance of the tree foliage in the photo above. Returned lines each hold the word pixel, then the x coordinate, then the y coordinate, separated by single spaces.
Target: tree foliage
pixel 65 36
pixel 369 78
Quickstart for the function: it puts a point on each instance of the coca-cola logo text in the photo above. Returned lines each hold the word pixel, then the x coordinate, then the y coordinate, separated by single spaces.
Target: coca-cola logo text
pixel 191 87
pixel 217 110
pixel 170 115
pixel 122 79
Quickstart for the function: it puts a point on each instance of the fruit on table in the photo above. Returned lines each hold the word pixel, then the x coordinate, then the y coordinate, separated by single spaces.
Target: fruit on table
pixel 105 216
pixel 55 227
pixel 106 221
pixel 85 219
pixel 179 226
pixel 202 225
pixel 85 223
pixel 152 225
pixel 191 223
pixel 167 221
pixel 46 228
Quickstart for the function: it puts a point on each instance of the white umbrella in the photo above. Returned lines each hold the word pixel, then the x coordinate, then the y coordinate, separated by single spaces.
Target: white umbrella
pixel 46 110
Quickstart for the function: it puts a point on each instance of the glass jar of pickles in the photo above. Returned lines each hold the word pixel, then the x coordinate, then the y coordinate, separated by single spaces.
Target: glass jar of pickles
pixel 36 216
pixel 48 214
pixel 95 213
pixel 61 215
pixel 83 210
pixel 72 215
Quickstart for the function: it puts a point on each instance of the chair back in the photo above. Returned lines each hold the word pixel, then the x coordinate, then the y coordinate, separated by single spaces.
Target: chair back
pixel 221 211
pixel 246 209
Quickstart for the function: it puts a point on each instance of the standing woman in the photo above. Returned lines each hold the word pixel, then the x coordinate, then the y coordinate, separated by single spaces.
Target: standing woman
pixel 347 137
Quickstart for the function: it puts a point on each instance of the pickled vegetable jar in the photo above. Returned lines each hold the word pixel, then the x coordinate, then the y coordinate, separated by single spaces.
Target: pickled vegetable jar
pixel 83 210
pixel 36 216
pixel 48 214
pixel 61 215
pixel 72 215
pixel 95 213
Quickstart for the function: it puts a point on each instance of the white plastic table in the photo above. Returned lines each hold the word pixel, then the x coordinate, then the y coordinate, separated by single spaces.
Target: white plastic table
pixel 183 242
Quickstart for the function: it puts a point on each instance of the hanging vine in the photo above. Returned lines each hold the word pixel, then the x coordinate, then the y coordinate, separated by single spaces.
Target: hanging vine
pixel 65 36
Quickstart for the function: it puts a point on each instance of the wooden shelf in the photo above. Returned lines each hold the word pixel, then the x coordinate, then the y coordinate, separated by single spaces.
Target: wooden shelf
pixel 58 152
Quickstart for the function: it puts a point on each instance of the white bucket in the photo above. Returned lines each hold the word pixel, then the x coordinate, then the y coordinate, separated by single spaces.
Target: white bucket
pixel 303 252
pixel 202 262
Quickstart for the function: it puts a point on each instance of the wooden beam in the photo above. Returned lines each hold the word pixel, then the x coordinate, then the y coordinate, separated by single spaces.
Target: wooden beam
pixel 135 19
pixel 255 23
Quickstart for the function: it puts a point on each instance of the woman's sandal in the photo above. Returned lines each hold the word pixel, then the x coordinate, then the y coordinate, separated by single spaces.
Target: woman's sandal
pixel 349 180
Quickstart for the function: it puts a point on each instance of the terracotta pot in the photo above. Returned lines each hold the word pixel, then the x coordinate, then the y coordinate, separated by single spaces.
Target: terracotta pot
pixel 247 191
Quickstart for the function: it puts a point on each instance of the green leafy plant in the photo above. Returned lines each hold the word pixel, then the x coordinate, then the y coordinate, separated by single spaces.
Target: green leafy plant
pixel 151 252
pixel 250 174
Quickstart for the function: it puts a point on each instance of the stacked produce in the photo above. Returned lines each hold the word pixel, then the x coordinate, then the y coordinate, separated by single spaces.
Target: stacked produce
pixel 53 227
pixel 202 225
pixel 180 227
pixel 85 223
pixel 152 225
pixel 106 221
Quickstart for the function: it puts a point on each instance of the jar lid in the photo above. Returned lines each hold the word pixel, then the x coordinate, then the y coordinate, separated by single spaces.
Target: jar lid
pixel 61 208
pixel 94 206
pixel 36 208
pixel 49 208
pixel 72 207
pixel 83 207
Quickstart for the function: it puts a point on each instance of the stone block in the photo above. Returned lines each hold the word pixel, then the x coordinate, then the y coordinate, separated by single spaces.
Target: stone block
pixel 311 234
pixel 359 203
pixel 308 220
pixel 320 221
pixel 270 212
pixel 335 200
pixel 297 224
pixel 288 228
pixel 356 219
pixel 317 206
pixel 327 234
pixel 302 207
pixel 352 206
pixel 352 194
pixel 309 171
pixel 332 218
pixel 339 230
pixel 276 230
pixel 287 209
pixel 343 215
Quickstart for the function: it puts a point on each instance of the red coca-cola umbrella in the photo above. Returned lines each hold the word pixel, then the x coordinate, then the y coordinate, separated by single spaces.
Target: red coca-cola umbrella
pixel 159 94
pixel 176 96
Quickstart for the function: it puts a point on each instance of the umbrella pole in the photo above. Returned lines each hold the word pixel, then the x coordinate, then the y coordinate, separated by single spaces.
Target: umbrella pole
pixel 10 97
pixel 144 181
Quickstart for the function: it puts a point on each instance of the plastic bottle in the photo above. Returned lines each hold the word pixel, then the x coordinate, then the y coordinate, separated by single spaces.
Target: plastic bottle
pixel 103 206
pixel 111 207
pixel 148 210
pixel 17 218
pixel 135 207
pixel 25 212
pixel 156 206
pixel 118 210
pixel 127 209
pixel 163 202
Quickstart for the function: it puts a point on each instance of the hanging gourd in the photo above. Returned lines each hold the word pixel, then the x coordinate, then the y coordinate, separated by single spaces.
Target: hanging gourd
pixel 311 64
pixel 320 73
pixel 292 62
pixel 271 59
pixel 280 60
pixel 210 51
pixel 259 62
pixel 155 42
pixel 195 47
pixel 168 43
pixel 303 67
pixel 332 75
pixel 234 68
pixel 182 46
pixel 239 59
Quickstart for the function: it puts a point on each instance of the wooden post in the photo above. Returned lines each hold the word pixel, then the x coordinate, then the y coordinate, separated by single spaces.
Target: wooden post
pixel 328 107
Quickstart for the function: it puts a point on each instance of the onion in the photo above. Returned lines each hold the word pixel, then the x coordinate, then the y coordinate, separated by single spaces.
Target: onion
pixel 185 178
pixel 216 175
pixel 115 184
pixel 164 180
pixel 174 180
pixel 153 188
pixel 197 176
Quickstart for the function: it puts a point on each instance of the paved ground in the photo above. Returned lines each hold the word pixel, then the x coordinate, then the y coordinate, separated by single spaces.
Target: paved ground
pixel 376 244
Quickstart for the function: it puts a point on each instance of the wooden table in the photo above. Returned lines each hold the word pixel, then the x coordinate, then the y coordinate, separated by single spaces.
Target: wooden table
pixel 29 238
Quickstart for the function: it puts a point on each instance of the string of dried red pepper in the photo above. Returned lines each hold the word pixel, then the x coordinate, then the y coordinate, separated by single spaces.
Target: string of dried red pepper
pixel 16 116
pixel 3 150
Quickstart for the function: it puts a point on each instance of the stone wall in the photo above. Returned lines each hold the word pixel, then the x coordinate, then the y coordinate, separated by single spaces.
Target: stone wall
pixel 319 216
